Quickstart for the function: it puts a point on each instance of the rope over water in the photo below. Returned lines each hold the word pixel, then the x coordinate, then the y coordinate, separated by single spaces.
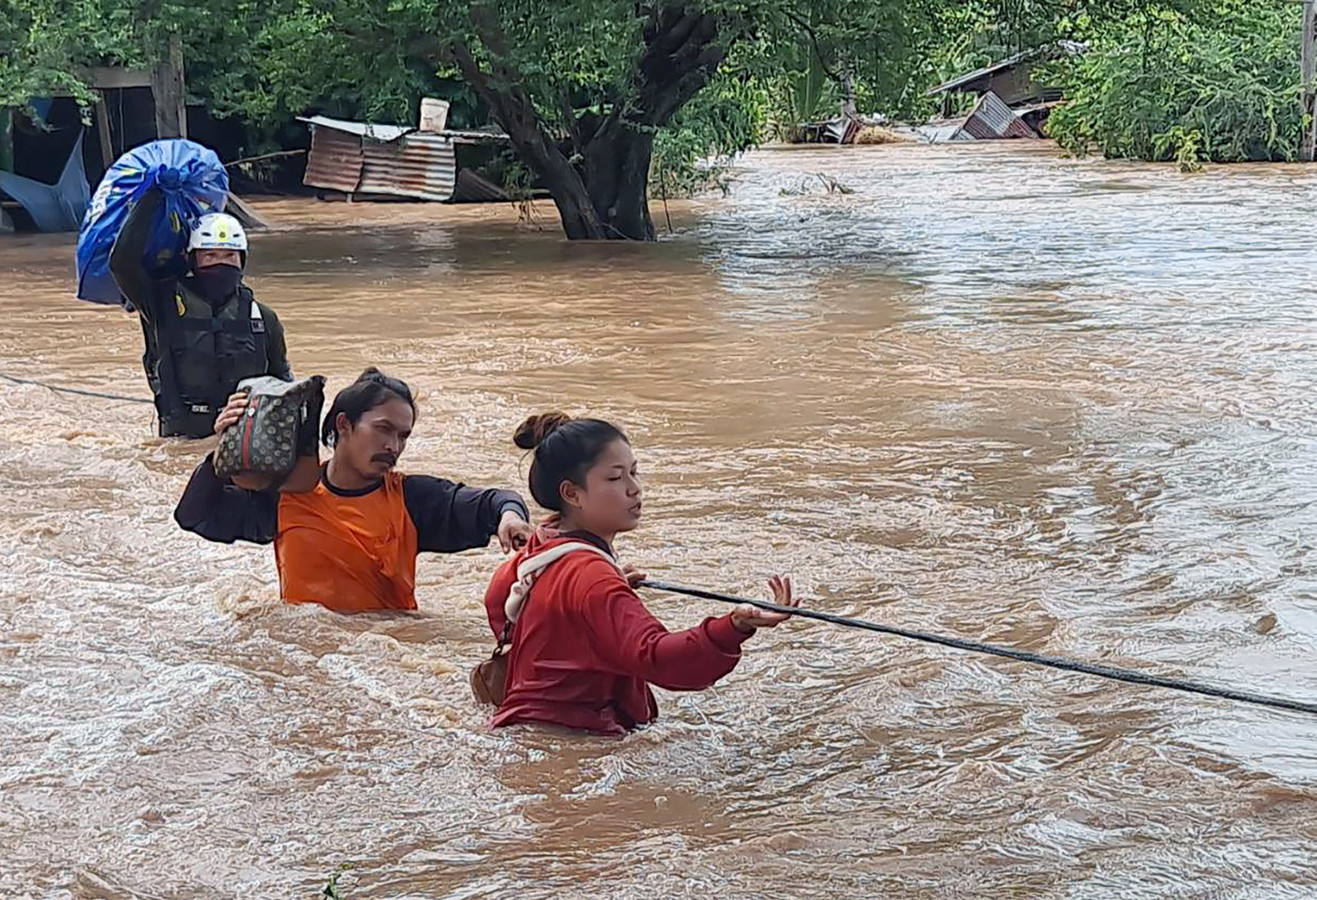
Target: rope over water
pixel 79 391
pixel 1054 662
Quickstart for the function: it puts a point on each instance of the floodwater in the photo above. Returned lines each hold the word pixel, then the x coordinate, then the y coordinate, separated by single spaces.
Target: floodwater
pixel 1066 405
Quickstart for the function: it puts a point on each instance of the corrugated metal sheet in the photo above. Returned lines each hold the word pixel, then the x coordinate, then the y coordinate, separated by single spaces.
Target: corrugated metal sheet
pixel 376 132
pixel 387 160
pixel 415 165
pixel 993 119
pixel 372 130
pixel 418 165
pixel 335 160
pixel 942 131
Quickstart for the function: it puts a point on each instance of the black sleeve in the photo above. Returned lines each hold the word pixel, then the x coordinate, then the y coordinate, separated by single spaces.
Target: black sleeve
pixel 220 512
pixel 126 255
pixel 451 517
pixel 150 356
pixel 276 348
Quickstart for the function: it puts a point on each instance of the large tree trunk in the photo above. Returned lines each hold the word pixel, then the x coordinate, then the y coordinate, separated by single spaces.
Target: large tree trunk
pixel 616 170
pixel 601 191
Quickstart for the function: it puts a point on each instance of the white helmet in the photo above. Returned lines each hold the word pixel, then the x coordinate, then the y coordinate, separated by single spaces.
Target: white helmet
pixel 217 231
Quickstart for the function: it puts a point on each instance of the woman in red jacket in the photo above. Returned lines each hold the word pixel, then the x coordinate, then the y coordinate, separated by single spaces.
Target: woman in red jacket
pixel 584 649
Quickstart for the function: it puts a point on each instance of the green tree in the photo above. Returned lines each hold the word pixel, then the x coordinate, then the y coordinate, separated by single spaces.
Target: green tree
pixel 1213 80
pixel 48 45
pixel 45 45
pixel 583 88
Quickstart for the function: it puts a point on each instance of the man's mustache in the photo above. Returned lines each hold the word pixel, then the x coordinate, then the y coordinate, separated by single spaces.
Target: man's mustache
pixel 389 458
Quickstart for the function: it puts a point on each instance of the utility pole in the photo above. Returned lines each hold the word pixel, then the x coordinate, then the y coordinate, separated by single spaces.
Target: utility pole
pixel 6 139
pixel 168 91
pixel 1308 63
pixel 103 129
pixel 849 108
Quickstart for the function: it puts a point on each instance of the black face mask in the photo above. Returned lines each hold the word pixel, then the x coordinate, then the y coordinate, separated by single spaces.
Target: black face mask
pixel 217 282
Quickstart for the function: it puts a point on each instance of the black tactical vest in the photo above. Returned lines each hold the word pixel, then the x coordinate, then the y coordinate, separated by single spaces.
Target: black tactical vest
pixel 204 353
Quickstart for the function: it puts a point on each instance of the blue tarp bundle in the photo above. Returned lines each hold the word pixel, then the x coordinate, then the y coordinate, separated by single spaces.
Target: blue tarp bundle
pixel 194 183
pixel 53 207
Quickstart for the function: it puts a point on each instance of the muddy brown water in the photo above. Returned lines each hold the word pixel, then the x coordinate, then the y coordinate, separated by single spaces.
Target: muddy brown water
pixel 1066 405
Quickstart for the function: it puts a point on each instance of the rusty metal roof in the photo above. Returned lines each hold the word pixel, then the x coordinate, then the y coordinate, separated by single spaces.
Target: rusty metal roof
pixel 971 80
pixel 417 165
pixel 335 161
pixel 413 165
pixel 992 119
pixel 366 158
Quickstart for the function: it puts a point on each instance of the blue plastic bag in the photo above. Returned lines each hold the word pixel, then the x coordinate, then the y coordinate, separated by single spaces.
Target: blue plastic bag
pixel 194 183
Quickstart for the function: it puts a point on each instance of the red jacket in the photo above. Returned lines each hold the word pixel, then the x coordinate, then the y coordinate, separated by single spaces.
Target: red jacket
pixel 585 648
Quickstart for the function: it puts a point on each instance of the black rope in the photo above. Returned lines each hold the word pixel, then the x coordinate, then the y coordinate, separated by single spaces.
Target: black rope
pixel 79 391
pixel 1039 659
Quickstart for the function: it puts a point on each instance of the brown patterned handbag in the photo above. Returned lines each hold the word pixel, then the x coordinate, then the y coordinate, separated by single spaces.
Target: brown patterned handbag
pixel 279 422
pixel 489 679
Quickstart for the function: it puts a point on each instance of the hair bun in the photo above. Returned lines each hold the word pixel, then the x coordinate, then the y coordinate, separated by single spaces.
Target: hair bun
pixel 532 432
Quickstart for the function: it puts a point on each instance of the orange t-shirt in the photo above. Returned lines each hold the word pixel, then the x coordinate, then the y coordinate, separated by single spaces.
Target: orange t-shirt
pixel 349 552
pixel 352 551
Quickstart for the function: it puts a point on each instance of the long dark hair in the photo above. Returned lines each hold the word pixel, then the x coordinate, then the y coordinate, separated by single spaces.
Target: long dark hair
pixel 371 389
pixel 565 449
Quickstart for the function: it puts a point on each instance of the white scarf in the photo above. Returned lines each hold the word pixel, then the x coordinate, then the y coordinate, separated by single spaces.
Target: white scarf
pixel 531 567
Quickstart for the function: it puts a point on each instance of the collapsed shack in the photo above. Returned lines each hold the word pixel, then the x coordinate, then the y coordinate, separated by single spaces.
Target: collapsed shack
pixel 841 130
pixel 990 120
pixel 1013 101
pixel 367 160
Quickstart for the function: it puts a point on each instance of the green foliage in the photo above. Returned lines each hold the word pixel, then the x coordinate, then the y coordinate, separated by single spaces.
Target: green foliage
pixel 978 33
pixel 270 61
pixel 694 154
pixel 881 48
pixel 1185 146
pixel 45 43
pixel 331 890
pixel 519 184
pixel 808 90
pixel 1215 82
pixel 805 185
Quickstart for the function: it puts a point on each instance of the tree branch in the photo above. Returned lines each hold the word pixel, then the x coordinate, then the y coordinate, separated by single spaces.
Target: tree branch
pixel 667 36
pixel 514 111
pixel 475 76
pixel 485 20
pixel 570 121
pixel 814 42
pixel 673 72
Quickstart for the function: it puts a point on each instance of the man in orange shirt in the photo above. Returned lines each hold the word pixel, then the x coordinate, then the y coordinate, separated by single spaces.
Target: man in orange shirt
pixel 347 536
